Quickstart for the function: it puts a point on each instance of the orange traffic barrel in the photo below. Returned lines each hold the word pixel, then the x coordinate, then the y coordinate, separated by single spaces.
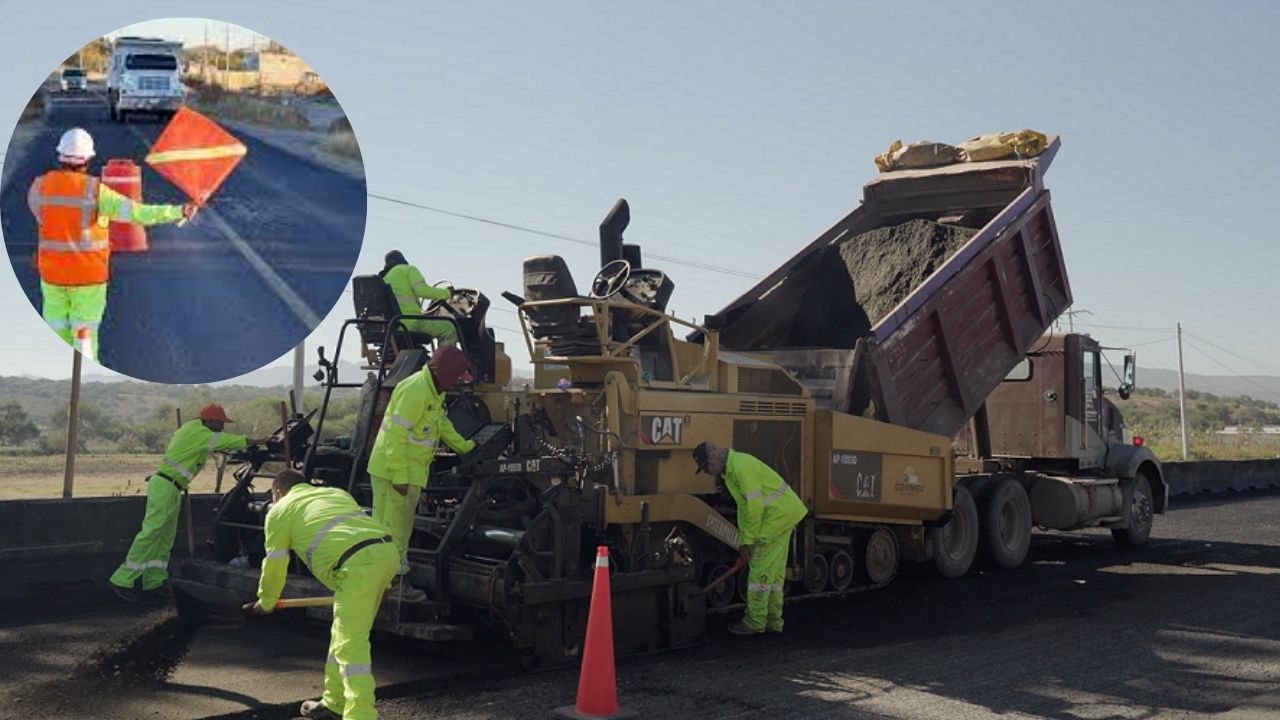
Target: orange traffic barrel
pixel 125 177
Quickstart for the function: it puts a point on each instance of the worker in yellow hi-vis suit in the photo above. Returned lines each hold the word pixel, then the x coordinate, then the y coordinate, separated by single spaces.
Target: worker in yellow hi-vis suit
pixel 768 510
pixel 194 442
pixel 414 423
pixel 354 556
pixel 410 289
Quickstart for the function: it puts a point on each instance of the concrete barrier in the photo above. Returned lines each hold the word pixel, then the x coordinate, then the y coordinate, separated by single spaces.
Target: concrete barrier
pixel 53 549
pixel 1214 476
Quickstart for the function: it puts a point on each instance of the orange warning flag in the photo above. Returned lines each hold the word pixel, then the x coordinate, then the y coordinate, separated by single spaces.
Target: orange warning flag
pixel 195 154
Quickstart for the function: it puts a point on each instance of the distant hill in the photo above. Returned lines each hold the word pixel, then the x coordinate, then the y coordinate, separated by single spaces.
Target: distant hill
pixel 1258 387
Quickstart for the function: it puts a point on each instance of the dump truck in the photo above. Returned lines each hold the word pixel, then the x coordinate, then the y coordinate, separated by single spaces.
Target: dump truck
pixel 940 433
pixel 144 75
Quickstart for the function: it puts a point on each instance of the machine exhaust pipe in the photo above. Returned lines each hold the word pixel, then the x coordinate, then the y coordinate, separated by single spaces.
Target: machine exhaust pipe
pixel 611 232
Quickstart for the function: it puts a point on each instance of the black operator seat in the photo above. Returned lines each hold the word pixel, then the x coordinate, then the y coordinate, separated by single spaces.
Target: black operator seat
pixel 374 301
pixel 547 277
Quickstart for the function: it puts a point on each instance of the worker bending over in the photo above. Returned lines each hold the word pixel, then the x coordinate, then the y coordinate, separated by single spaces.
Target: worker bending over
pixel 353 556
pixel 73 210
pixel 148 557
pixel 413 425
pixel 768 510
pixel 410 289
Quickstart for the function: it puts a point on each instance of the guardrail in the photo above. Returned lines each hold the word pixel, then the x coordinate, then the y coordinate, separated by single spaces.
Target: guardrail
pixel 1216 476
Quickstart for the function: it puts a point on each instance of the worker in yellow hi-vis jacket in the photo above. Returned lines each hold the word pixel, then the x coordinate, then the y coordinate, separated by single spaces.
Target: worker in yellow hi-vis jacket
pixel 354 556
pixel 414 423
pixel 410 289
pixel 194 442
pixel 768 510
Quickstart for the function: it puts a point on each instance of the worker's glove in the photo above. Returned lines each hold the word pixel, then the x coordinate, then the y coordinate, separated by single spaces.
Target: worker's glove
pixel 744 553
pixel 402 489
pixel 189 210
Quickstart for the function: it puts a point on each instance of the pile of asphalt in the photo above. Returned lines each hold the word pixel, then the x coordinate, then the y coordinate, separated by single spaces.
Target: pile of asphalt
pixel 886 264
pixel 148 652
pixel 835 296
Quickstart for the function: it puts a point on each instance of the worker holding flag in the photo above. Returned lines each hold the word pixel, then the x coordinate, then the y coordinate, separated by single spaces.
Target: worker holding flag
pixel 73 210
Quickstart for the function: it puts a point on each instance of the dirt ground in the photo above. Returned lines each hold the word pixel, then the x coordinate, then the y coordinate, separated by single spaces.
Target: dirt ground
pixel 30 477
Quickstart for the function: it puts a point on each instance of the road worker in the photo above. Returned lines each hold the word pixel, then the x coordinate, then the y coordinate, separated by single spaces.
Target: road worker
pixel 148 557
pixel 413 425
pixel 410 289
pixel 73 210
pixel 768 510
pixel 354 556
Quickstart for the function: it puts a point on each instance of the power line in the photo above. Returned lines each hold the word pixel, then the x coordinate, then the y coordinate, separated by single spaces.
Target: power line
pixel 555 236
pixel 1126 327
pixel 1232 354
pixel 1219 363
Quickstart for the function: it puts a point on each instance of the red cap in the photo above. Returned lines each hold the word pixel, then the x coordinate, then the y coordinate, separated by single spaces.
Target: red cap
pixel 449 366
pixel 214 411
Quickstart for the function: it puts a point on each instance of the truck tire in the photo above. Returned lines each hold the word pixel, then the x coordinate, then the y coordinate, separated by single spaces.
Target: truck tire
pixel 1141 514
pixel 815 581
pixel 879 557
pixel 841 568
pixel 1004 530
pixel 953 545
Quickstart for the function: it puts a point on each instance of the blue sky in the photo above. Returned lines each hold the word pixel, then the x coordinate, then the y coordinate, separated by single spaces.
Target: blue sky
pixel 738 132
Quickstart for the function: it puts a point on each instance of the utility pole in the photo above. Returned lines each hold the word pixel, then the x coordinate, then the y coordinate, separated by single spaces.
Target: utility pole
pixel 1071 318
pixel 1182 395
pixel 73 422
pixel 226 51
pixel 299 364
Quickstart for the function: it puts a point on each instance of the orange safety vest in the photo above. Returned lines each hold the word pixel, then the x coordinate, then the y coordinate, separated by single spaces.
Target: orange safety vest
pixel 73 249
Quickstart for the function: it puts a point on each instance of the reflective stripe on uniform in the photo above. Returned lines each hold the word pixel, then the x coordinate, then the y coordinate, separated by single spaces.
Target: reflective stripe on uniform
pixel 752 495
pixel 213 443
pixel 331 660
pixel 277 554
pixel 87 325
pixel 425 442
pixel 764 587
pixel 775 495
pixel 353 669
pixel 161 564
pixel 87 206
pixel 59 324
pixel 125 210
pixel 62 201
pixel 422 286
pixel 205 153
pixel 402 422
pixel 315 541
pixel 183 471
pixel 86 244
pixel 406 299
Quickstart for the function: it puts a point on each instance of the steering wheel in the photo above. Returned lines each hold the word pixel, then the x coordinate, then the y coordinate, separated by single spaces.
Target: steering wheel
pixel 611 278
pixel 438 304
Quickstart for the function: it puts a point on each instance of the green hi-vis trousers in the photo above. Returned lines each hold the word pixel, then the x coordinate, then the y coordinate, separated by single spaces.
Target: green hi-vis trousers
pixel 348 672
pixel 445 332
pixel 148 557
pixel 765 578
pixel 74 312
pixel 396 511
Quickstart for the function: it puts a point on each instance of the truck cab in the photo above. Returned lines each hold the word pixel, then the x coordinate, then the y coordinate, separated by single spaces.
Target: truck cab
pixel 144 76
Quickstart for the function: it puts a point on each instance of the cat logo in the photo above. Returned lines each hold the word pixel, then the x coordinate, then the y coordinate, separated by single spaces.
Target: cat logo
pixel 910 482
pixel 662 429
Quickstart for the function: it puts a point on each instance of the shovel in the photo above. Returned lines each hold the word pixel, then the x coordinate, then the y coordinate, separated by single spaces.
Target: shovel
pixel 733 569
pixel 223 608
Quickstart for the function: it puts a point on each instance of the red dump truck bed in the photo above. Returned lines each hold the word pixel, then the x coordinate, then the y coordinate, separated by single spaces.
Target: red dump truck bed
pixel 932 360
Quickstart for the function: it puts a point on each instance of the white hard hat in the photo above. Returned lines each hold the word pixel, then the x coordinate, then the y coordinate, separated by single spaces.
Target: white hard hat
pixel 76 146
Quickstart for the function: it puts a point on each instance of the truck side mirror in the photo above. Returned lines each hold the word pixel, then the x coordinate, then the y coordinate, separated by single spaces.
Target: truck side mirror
pixel 1130 372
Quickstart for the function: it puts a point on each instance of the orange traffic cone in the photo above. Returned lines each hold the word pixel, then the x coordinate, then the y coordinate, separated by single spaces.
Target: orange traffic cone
pixel 597 685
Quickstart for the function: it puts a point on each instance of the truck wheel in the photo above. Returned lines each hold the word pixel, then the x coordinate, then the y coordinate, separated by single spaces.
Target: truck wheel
pixel 815 581
pixel 879 557
pixel 1141 515
pixel 954 544
pixel 841 569
pixel 1005 528
pixel 722 595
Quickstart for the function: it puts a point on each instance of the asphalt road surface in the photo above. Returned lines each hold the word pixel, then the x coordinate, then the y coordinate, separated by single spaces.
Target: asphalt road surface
pixel 233 290
pixel 1183 628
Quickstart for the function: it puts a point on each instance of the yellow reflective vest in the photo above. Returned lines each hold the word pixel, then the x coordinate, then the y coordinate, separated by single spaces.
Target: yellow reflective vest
pixel 414 424
pixel 190 447
pixel 319 524
pixel 767 506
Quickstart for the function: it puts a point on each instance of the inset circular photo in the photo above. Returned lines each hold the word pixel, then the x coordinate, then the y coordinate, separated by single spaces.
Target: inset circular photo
pixel 183 200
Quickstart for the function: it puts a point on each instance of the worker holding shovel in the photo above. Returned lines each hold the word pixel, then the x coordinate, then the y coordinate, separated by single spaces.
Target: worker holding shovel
pixel 768 510
pixel 350 553
pixel 185 456
pixel 72 210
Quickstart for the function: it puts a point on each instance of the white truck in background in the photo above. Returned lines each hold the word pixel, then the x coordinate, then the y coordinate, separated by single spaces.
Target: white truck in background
pixel 145 75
